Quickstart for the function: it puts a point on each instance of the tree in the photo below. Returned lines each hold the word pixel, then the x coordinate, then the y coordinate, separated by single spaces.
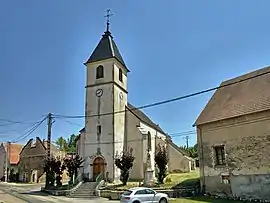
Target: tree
pixel 49 168
pixel 62 144
pixel 125 162
pixel 191 151
pixel 78 164
pixel 73 164
pixel 58 169
pixel 72 143
pixel 12 176
pixel 161 159
pixel 54 171
pixel 68 145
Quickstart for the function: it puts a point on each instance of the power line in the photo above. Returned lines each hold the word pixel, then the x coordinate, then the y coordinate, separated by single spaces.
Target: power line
pixel 10 122
pixel 9 131
pixel 72 123
pixel 125 141
pixel 180 134
pixel 170 134
pixel 190 132
pixel 7 124
pixel 173 135
pixel 30 131
pixel 169 100
pixel 15 123
pixel 184 133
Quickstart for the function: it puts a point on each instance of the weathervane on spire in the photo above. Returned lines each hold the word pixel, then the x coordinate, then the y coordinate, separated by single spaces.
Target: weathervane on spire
pixel 108 18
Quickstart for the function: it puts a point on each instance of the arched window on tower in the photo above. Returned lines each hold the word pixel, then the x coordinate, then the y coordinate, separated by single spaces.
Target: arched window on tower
pixel 99 72
pixel 149 141
pixel 120 75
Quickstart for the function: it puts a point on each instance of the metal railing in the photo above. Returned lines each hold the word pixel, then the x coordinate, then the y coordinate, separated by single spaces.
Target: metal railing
pixel 99 178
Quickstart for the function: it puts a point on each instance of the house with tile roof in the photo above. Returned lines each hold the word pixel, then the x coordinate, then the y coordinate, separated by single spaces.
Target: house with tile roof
pixel 32 158
pixel 234 138
pixel 9 156
pixel 118 125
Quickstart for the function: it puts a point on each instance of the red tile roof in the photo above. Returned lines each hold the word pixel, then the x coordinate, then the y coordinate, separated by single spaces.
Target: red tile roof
pixel 14 152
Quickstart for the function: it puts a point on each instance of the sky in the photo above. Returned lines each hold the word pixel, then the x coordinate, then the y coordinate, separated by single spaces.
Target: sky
pixel 172 48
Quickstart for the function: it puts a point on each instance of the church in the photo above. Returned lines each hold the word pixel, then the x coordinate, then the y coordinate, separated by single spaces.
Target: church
pixel 112 124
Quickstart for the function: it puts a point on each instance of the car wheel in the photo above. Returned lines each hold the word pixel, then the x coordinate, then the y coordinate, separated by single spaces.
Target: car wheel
pixel 136 201
pixel 163 200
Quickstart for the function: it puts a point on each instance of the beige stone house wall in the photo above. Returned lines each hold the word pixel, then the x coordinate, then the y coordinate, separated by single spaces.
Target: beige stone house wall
pixel 32 159
pixel 2 160
pixel 246 140
pixel 179 162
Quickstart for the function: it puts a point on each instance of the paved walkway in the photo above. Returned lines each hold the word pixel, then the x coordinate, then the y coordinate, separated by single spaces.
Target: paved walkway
pixel 32 194
pixel 6 198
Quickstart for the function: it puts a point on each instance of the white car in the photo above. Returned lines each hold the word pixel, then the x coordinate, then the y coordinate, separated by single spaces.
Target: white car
pixel 143 195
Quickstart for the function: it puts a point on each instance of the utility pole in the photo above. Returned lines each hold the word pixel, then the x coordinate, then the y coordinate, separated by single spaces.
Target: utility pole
pixel 49 135
pixel 50 122
pixel 7 160
pixel 187 138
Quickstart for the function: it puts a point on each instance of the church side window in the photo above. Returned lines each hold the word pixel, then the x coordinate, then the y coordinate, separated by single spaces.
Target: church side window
pixel 99 129
pixel 99 72
pixel 120 75
pixel 149 141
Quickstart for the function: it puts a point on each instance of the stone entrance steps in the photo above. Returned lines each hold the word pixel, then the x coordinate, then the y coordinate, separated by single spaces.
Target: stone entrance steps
pixel 85 190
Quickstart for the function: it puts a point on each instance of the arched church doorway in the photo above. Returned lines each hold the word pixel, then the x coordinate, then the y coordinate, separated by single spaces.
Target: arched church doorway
pixel 98 167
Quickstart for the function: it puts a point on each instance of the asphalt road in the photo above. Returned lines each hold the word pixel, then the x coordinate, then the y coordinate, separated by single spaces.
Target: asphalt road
pixel 23 193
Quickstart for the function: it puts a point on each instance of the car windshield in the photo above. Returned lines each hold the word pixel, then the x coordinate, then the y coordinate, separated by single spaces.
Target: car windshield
pixel 127 192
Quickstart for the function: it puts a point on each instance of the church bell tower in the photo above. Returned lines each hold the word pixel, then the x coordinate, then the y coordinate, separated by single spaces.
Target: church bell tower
pixel 106 100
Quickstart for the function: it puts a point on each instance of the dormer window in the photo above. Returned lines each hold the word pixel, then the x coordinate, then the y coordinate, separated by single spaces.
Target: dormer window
pixel 120 75
pixel 99 72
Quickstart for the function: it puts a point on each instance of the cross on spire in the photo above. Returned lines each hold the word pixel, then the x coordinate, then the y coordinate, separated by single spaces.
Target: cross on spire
pixel 108 19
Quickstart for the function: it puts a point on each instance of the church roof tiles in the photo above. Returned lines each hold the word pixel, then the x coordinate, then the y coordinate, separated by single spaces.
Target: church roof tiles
pixel 106 49
pixel 144 118
pixel 13 151
pixel 240 98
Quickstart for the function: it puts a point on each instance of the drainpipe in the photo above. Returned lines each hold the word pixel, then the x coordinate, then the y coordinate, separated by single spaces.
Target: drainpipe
pixel 202 159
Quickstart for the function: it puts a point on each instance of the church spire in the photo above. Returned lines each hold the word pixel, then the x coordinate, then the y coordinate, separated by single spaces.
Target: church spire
pixel 106 47
pixel 108 20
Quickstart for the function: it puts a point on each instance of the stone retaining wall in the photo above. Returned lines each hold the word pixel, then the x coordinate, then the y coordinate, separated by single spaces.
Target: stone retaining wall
pixel 56 192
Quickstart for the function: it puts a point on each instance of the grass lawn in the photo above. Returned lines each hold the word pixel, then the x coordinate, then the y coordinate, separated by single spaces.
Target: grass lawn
pixel 172 181
pixel 178 180
pixel 201 200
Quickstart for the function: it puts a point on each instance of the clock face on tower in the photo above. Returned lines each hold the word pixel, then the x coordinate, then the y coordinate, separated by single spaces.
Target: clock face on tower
pixel 99 92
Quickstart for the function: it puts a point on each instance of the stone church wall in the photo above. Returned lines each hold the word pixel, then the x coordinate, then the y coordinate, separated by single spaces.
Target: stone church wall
pixel 133 140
